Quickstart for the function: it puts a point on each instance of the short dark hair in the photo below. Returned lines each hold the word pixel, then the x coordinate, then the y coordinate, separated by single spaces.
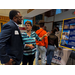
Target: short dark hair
pixel 53 31
pixel 13 13
pixel 41 24
pixel 57 28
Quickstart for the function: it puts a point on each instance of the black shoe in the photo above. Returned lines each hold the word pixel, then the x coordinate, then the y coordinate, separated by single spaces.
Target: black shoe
pixel 39 58
pixel 47 64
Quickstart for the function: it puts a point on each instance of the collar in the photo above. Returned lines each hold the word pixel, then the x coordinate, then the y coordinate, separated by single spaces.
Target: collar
pixel 41 28
pixel 16 23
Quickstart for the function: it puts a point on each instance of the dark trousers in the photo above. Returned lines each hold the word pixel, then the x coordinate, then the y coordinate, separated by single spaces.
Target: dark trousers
pixel 28 59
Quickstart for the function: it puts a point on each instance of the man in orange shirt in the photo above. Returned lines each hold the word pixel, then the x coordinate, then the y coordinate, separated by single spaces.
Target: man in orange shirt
pixel 41 45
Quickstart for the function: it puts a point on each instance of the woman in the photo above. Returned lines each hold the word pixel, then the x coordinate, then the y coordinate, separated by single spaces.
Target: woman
pixel 29 40
pixel 58 34
pixel 52 41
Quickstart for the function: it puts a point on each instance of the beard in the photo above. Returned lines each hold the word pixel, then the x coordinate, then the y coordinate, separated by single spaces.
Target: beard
pixel 19 22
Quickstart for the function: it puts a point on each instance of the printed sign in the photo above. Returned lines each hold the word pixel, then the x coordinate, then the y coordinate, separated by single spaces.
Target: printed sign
pixel 68 34
pixel 61 56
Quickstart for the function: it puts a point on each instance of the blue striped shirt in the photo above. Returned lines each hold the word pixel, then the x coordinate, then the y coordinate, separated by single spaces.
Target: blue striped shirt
pixel 30 40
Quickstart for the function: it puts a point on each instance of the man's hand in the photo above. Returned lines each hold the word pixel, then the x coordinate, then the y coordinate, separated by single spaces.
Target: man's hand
pixel 10 62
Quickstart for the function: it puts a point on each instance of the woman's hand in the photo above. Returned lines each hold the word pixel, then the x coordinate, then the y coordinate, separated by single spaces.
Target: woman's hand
pixel 47 34
pixel 30 46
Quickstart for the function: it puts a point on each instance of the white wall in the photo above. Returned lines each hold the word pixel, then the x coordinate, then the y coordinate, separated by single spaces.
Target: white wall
pixel 48 19
pixel 5 12
pixel 64 15
pixel 59 17
pixel 49 26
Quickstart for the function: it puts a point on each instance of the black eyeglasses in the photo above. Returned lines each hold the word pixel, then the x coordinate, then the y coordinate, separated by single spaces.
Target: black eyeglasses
pixel 19 17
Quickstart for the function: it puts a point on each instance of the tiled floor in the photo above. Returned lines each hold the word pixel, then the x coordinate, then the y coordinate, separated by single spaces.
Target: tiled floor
pixel 33 63
pixel 21 63
pixel 70 62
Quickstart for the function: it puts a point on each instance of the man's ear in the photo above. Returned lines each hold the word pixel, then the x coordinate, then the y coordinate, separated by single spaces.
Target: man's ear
pixel 14 18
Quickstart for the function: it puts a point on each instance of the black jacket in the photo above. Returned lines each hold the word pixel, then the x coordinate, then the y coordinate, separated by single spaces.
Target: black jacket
pixel 53 40
pixel 11 45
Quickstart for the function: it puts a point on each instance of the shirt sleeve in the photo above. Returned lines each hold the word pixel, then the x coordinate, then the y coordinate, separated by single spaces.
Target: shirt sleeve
pixel 37 37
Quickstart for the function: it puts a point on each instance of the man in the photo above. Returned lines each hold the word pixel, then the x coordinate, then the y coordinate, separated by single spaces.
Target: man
pixel 41 45
pixel 11 45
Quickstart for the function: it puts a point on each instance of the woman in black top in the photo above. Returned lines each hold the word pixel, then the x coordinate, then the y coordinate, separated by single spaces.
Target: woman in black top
pixel 52 41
